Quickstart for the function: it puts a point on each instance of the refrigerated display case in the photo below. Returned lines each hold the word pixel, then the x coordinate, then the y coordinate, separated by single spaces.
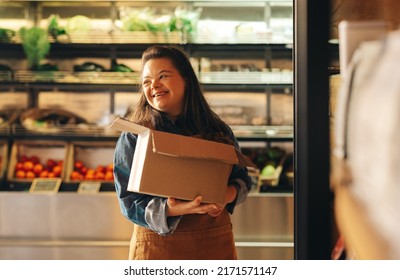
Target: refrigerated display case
pixel 242 52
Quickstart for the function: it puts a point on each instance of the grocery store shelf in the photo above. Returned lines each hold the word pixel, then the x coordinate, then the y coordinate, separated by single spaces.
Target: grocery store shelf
pixel 263 132
pixel 116 37
pixel 258 78
pixel 80 132
pixel 92 132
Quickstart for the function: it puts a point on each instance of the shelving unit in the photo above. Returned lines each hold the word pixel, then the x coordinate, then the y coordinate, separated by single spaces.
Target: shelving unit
pixel 268 84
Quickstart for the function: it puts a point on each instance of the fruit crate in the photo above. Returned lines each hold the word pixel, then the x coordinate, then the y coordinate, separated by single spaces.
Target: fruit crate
pixel 3 159
pixel 37 159
pixel 90 161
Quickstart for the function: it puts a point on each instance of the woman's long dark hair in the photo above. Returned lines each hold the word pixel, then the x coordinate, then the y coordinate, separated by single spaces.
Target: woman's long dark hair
pixel 197 117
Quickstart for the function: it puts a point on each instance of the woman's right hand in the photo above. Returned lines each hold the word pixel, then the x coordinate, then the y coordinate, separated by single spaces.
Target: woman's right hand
pixel 178 207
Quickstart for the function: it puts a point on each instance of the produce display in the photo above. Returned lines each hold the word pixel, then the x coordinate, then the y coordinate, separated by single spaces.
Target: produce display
pixel 147 19
pixel 48 120
pixel 36 45
pixel 31 167
pixel 100 172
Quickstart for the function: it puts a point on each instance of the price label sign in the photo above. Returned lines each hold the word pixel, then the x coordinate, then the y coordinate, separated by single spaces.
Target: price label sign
pixel 89 187
pixel 45 185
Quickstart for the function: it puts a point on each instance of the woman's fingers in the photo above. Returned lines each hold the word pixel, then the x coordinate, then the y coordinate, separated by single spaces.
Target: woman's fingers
pixel 179 207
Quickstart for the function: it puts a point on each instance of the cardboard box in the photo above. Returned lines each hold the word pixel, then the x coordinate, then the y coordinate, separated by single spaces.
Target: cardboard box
pixel 166 164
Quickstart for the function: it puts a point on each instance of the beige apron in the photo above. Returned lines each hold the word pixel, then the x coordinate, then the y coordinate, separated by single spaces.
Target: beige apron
pixel 197 237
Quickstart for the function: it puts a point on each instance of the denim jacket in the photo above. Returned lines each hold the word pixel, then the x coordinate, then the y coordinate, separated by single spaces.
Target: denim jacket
pixel 150 211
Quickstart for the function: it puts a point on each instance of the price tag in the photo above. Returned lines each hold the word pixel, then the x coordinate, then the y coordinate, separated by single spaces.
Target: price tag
pixel 89 187
pixel 45 185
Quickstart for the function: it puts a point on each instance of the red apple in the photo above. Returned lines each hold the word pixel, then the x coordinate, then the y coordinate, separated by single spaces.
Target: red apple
pixel 50 163
pixel 78 165
pixel 23 158
pixel 19 166
pixel 34 159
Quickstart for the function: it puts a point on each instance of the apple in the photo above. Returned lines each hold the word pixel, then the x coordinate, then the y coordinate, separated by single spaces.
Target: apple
pixel 19 166
pixel 50 163
pixel 99 175
pixel 37 168
pixel 34 159
pixel 84 170
pixel 100 168
pixel 268 170
pixel 28 165
pixel 110 167
pixel 20 174
pixel 57 170
pixel 78 165
pixel 109 176
pixel 23 158
pixel 90 174
pixel 30 174
pixel 44 174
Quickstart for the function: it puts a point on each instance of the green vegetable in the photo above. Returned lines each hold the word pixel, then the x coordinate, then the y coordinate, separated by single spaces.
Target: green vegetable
pixel 6 35
pixel 118 67
pixel 36 45
pixel 54 29
pixel 46 67
pixel 78 23
pixel 89 67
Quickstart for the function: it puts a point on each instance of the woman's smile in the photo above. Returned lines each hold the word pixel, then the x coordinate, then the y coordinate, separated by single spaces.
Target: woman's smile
pixel 159 94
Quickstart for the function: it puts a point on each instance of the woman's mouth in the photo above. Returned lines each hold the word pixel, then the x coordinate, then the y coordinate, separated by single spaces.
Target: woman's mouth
pixel 158 94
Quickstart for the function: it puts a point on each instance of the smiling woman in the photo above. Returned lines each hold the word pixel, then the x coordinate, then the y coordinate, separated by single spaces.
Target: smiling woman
pixel 164 87
pixel 167 228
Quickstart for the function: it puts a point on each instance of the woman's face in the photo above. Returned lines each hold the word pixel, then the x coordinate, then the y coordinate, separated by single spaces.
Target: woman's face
pixel 163 87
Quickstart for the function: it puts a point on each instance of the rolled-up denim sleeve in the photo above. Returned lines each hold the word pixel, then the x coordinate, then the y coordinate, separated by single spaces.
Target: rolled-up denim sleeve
pixel 239 178
pixel 144 210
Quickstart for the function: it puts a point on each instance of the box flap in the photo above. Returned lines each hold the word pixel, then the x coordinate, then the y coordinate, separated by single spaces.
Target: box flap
pixel 189 147
pixel 244 160
pixel 122 124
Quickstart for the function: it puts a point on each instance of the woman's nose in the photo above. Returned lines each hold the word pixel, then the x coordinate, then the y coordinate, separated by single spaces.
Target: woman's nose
pixel 155 83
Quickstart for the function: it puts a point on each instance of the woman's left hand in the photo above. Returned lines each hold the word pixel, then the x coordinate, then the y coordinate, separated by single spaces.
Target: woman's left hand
pixel 231 193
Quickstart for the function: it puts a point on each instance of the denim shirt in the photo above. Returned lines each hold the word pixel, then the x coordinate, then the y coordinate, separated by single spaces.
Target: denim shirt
pixel 150 211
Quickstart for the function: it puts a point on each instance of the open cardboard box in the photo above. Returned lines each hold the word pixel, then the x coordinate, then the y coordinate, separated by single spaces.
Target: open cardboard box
pixel 166 164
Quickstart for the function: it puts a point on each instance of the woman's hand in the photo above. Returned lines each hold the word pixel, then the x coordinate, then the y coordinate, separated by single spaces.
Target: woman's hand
pixel 231 193
pixel 178 207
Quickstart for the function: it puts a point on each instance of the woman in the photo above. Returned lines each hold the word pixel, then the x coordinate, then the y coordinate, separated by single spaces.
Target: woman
pixel 172 101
